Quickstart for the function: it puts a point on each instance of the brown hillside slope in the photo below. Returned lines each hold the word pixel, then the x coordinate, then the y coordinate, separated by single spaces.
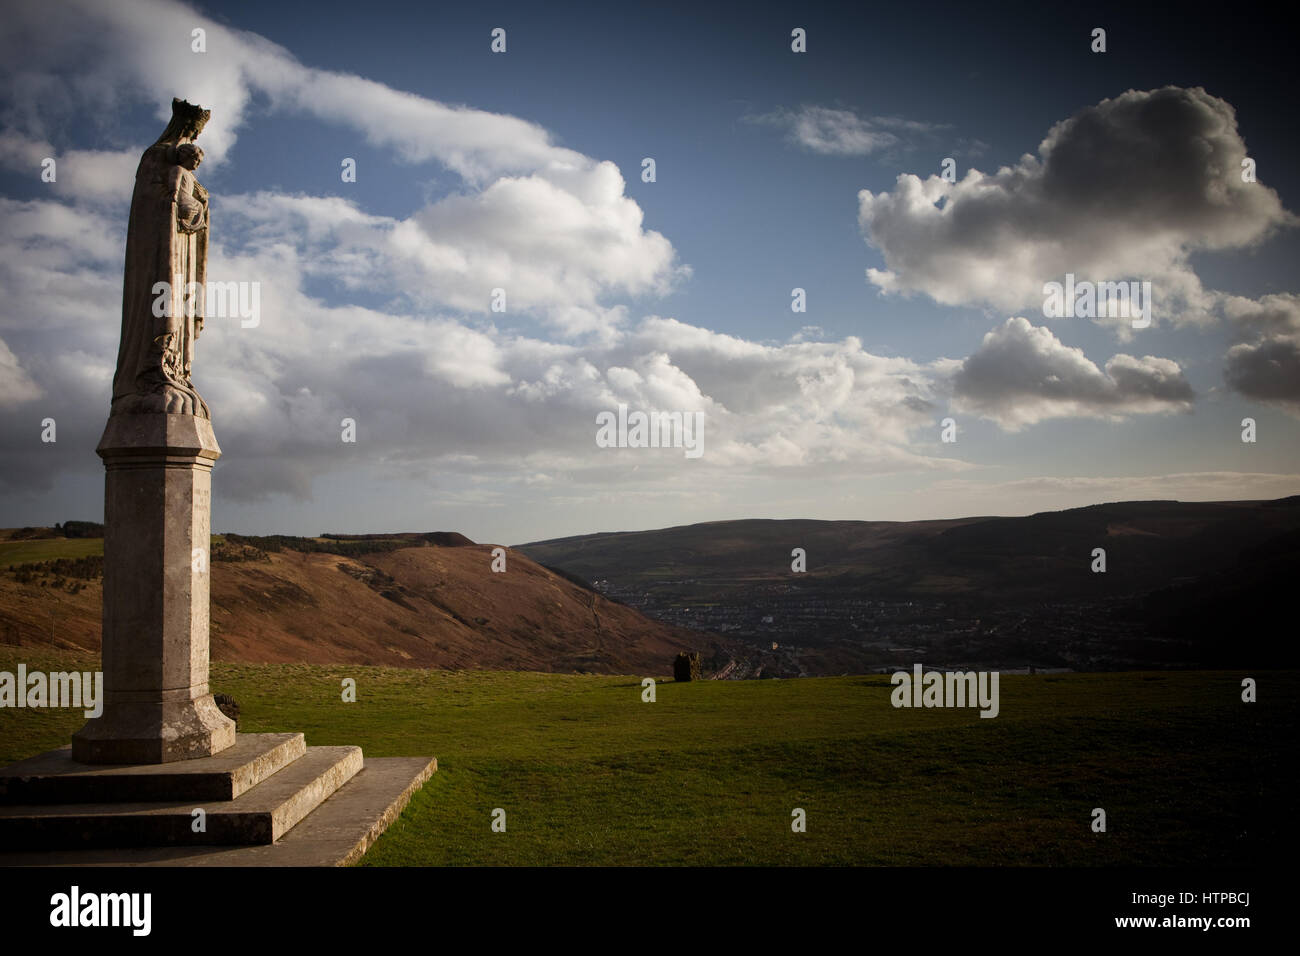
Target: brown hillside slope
pixel 414 607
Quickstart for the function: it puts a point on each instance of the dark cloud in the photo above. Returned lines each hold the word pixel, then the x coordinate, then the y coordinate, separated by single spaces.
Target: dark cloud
pixel 1021 375
pixel 1264 365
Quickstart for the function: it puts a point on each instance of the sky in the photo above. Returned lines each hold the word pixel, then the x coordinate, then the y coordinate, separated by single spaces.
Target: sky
pixel 774 170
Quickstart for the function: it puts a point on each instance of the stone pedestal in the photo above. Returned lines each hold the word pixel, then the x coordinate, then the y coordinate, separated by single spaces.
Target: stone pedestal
pixel 157 523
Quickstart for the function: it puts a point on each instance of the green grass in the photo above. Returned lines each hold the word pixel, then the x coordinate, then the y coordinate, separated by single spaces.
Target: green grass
pixel 47 549
pixel 709 774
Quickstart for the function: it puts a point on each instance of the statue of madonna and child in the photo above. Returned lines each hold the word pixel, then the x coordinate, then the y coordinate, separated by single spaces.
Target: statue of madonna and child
pixel 163 290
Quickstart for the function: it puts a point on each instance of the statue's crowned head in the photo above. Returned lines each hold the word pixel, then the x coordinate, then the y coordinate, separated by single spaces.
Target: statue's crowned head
pixel 186 124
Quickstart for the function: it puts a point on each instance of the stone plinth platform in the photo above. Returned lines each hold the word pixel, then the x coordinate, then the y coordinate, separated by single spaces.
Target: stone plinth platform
pixel 54 777
pixel 289 805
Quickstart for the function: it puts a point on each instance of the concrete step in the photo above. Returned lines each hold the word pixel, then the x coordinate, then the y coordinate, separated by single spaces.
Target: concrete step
pixel 54 777
pixel 337 833
pixel 260 815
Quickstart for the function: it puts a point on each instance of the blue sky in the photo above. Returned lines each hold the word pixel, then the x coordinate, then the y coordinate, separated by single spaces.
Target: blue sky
pixel 521 170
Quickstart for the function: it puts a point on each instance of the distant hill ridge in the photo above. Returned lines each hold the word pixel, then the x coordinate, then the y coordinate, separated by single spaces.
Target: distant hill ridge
pixel 1149 545
pixel 1184 584
pixel 1198 582
pixel 443 539
pixel 417 599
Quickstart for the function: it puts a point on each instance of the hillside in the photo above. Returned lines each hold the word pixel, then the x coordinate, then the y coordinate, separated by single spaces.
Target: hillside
pixel 1186 584
pixel 416 604
pixel 1149 544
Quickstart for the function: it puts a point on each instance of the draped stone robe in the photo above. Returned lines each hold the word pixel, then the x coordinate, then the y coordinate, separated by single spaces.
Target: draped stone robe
pixel 167 241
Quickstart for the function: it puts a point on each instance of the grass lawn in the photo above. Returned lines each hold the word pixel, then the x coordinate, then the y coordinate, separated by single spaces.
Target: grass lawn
pixel 47 549
pixel 710 772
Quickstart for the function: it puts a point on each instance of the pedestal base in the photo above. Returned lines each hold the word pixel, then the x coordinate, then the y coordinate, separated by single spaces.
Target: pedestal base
pixel 154 732
pixel 54 777
pixel 157 510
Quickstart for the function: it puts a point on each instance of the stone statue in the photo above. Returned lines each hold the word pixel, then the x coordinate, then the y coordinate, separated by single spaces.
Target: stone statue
pixel 158 449
pixel 166 242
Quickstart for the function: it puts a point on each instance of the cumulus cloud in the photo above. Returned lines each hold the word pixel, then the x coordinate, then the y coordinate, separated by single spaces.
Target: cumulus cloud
pixel 1021 374
pixel 1267 371
pixel 1265 365
pixel 1270 315
pixel 384 318
pixel 92 175
pixel 1126 189
pixel 549 225
pixel 16 386
pixel 433 393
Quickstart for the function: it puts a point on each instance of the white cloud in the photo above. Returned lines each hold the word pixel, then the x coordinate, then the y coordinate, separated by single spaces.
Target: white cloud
pixel 384 318
pixel 808 333
pixel 549 225
pixel 830 131
pixel 1021 375
pixel 1126 189
pixel 839 132
pixel 432 392
pixel 16 386
pixel 1271 314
